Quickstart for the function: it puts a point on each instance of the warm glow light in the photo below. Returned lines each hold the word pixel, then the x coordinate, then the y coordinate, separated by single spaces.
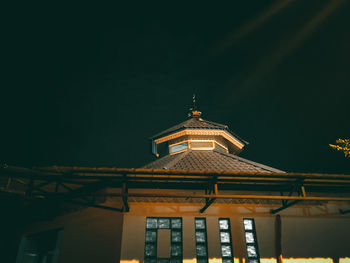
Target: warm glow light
pixel 262 260
pixel 189 146
pixel 211 260
pixel 307 260
pixel 222 133
pixel 300 260
pixel 268 260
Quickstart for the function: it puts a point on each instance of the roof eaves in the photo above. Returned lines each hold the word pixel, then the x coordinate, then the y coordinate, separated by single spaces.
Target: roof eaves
pixel 237 137
pixel 183 128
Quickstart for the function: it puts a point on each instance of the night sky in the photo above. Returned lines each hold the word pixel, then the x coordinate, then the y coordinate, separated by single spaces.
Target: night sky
pixel 87 85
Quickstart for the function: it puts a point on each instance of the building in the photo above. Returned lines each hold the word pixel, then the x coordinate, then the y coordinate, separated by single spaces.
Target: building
pixel 197 202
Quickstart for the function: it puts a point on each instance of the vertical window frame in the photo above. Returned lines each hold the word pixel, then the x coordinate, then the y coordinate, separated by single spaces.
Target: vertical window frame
pixel 254 243
pixel 173 258
pixel 200 258
pixel 226 259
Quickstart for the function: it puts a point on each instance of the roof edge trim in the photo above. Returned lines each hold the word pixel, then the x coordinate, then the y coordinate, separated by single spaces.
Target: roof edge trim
pixel 228 136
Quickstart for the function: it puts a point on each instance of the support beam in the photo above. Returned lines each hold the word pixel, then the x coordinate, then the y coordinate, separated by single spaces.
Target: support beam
pixel 265 197
pixel 291 203
pixel 207 204
pixel 30 186
pixel 125 197
pixel 303 192
pixel 70 189
pixel 285 204
pixel 278 239
pixel 209 201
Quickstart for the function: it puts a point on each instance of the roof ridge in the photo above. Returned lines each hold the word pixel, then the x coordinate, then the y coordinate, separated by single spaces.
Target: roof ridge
pixel 251 162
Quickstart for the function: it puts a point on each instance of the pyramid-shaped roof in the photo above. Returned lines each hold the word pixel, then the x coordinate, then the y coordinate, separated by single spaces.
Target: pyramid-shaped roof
pixel 208 160
pixel 197 123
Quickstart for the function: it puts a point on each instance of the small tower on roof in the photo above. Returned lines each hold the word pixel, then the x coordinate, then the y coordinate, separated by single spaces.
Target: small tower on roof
pixel 198 134
pixel 198 144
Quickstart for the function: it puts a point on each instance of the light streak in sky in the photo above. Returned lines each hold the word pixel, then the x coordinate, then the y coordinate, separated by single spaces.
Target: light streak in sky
pixel 252 25
pixel 268 63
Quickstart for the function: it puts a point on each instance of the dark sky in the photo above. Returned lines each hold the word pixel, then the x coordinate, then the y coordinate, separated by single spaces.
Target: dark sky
pixel 87 85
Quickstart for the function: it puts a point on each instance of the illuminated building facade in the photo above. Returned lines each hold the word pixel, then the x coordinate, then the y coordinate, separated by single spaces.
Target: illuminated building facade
pixel 197 202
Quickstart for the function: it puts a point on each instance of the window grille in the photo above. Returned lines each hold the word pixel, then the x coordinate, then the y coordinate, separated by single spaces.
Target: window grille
pixel 201 240
pixel 251 240
pixel 226 240
pixel 152 226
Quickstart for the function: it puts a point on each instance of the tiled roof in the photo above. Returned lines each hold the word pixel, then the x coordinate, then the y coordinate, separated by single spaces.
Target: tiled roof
pixel 196 123
pixel 193 123
pixel 208 160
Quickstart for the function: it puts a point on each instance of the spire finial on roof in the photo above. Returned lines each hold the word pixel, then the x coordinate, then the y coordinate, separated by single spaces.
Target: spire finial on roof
pixel 193 111
pixel 194 102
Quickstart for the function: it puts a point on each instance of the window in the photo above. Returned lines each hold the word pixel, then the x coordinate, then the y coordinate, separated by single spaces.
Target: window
pixel 201 144
pixel 251 240
pixel 201 240
pixel 225 240
pixel 178 147
pixel 153 224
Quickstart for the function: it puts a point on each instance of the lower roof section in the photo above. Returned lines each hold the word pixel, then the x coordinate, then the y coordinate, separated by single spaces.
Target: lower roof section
pixel 88 186
pixel 209 160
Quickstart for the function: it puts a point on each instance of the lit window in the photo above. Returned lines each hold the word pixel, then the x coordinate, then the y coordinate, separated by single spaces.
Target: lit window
pixel 224 237
pixel 151 236
pixel 251 240
pixel 176 236
pixel 153 225
pixel 249 237
pixel 178 147
pixel 225 240
pixel 175 223
pixel 201 240
pixel 150 250
pixel 164 223
pixel 248 224
pixel 200 237
pixel 202 144
pixel 251 251
pixel 200 223
pixel 223 224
